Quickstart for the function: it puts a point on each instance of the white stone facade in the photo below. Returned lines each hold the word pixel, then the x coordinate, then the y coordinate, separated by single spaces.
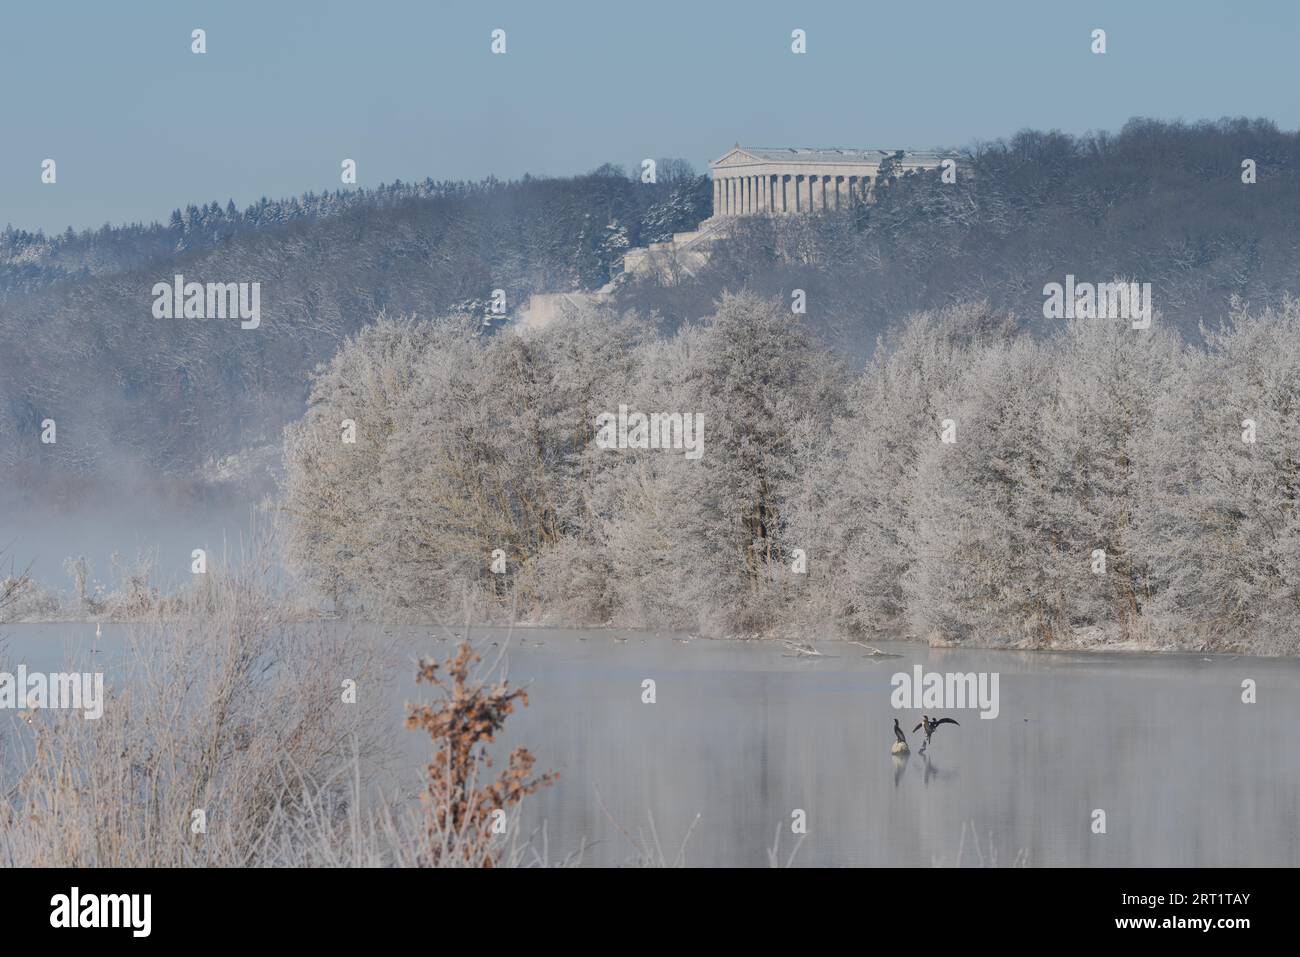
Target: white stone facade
pixel 751 181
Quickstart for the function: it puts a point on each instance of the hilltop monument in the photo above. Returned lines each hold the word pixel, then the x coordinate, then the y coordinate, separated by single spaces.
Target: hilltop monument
pixel 751 181
pixel 766 181
pixel 757 181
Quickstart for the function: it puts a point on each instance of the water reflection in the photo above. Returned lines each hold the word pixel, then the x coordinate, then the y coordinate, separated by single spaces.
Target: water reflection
pixel 933 771
pixel 900 765
pixel 743 737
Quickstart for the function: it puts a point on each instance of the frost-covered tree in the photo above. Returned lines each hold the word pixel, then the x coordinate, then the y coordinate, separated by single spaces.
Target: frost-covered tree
pixel 985 547
pixel 652 520
pixel 972 485
pixel 756 376
pixel 333 492
pixel 1098 432
pixel 861 519
pixel 979 505
pixel 1221 527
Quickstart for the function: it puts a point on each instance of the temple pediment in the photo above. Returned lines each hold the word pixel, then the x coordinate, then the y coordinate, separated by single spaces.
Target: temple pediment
pixel 736 157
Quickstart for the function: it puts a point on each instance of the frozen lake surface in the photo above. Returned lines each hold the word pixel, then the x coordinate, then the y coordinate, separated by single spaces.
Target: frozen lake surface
pixel 742 736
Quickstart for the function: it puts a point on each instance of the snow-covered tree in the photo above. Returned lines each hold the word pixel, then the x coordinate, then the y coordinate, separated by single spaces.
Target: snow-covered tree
pixel 862 519
pixel 985 547
pixel 1221 526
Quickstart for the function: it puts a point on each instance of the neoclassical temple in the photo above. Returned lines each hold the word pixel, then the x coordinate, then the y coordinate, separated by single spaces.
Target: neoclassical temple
pixel 748 181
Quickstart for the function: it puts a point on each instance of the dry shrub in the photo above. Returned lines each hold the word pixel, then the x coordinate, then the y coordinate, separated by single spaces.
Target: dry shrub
pixel 134 596
pixel 462 724
pixel 231 708
pixel 227 702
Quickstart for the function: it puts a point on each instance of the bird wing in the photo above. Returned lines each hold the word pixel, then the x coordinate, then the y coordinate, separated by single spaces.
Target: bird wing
pixel 947 721
pixel 917 728
pixel 898 733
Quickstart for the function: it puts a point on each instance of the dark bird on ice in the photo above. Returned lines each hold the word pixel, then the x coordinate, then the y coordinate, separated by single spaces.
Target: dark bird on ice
pixel 929 724
pixel 899 746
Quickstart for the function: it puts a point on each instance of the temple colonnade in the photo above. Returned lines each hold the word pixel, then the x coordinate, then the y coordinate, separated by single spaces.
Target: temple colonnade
pixel 741 195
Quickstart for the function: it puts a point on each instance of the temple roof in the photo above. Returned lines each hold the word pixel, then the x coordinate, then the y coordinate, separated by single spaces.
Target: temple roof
pixel 822 157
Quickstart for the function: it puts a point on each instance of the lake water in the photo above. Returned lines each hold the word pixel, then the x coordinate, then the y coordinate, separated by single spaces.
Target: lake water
pixel 742 736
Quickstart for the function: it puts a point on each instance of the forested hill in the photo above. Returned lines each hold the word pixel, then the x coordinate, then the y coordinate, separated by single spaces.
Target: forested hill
pixel 30 261
pixel 1156 202
pixel 79 343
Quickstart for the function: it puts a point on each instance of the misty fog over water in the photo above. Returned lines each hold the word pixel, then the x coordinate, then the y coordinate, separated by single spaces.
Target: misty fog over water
pixel 132 527
pixel 742 736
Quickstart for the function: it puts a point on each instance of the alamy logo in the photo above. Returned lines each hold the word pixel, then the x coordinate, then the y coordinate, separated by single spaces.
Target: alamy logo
pixel 657 430
pixel 58 690
pixel 102 910
pixel 948 691
pixel 212 300
pixel 1104 300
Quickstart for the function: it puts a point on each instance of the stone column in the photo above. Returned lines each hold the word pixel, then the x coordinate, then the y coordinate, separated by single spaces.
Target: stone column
pixel 818 193
pixel 731 196
pixel 716 184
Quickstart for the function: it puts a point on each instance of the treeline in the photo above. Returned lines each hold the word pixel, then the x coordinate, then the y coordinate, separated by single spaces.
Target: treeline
pixel 30 260
pixel 1157 202
pixel 974 483
pixel 132 395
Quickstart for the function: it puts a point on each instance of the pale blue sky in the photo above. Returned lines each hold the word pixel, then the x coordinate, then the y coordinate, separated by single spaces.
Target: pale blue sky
pixel 140 125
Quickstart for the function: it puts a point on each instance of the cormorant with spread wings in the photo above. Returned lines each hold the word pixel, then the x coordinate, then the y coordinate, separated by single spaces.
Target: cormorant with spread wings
pixel 929 724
